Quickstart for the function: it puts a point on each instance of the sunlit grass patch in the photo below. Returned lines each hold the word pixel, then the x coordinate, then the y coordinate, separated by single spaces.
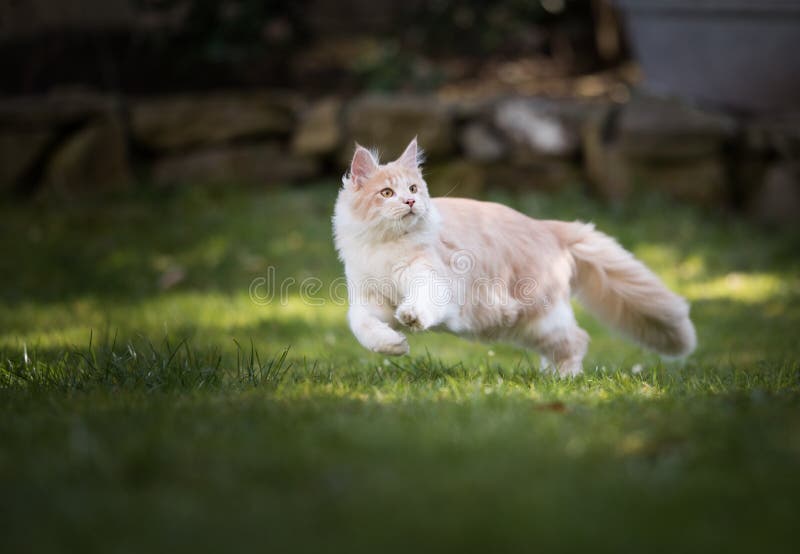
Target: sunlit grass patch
pixel 752 288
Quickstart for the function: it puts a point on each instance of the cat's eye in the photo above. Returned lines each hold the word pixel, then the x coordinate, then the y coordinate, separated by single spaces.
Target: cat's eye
pixel 413 188
pixel 387 193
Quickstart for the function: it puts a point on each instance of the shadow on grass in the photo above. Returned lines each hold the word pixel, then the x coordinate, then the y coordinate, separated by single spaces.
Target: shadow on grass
pixel 135 247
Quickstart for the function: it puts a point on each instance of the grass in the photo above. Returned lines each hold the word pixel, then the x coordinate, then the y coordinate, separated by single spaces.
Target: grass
pixel 148 401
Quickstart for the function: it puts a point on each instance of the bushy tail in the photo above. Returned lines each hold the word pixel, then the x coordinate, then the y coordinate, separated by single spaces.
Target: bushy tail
pixel 621 291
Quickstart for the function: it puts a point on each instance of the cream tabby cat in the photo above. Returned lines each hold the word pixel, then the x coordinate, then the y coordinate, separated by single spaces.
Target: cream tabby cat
pixel 483 270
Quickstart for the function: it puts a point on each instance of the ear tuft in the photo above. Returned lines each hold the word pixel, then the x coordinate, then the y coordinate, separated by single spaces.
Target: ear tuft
pixel 362 167
pixel 412 156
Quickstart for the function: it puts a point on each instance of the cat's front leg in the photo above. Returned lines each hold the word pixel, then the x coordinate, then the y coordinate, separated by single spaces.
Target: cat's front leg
pixel 425 302
pixel 366 322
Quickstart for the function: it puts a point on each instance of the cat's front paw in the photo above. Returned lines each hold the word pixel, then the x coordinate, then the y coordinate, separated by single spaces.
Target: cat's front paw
pixel 396 345
pixel 413 317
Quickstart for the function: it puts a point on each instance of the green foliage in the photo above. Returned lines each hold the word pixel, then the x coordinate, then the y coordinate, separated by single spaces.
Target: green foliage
pixel 477 27
pixel 388 68
pixel 229 32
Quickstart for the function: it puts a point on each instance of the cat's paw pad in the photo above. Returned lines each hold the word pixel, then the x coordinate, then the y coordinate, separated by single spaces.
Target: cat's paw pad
pixel 396 346
pixel 413 318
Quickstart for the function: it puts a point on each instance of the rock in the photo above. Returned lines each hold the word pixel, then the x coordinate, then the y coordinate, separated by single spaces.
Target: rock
pixel 319 130
pixel 480 144
pixel 390 122
pixel 702 182
pixel 603 162
pixel 56 110
pixel 776 134
pixel 629 149
pixel 545 175
pixel 542 127
pixel 467 108
pixel 93 158
pixel 260 163
pixel 84 128
pixel 470 179
pixel 777 202
pixel 19 150
pixel 182 122
pixel 655 129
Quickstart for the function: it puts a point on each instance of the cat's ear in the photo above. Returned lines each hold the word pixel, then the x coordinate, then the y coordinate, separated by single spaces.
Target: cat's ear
pixel 412 157
pixel 363 165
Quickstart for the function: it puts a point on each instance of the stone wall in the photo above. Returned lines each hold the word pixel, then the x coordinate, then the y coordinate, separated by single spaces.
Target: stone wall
pixel 78 142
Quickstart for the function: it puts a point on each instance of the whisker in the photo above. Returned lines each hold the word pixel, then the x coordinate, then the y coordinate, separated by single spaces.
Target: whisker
pixel 449 191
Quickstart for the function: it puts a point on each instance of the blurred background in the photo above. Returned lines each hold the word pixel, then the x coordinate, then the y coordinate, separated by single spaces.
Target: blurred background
pixel 176 366
pixel 697 100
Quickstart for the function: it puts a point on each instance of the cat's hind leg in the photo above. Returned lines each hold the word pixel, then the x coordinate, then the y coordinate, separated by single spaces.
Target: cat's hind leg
pixel 557 337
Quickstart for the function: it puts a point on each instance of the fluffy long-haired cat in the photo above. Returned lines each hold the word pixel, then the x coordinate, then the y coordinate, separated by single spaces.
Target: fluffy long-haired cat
pixel 486 271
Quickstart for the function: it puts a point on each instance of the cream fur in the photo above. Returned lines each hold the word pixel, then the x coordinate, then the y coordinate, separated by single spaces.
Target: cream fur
pixel 483 270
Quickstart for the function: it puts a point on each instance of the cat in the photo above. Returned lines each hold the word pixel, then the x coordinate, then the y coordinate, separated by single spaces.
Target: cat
pixel 485 271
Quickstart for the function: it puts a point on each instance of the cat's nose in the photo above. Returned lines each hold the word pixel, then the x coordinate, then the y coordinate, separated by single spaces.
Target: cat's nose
pixel 410 202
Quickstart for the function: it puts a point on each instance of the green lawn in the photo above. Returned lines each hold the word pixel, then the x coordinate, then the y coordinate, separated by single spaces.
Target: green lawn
pixel 148 401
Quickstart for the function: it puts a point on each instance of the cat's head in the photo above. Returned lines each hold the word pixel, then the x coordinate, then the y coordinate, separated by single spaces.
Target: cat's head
pixel 392 196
